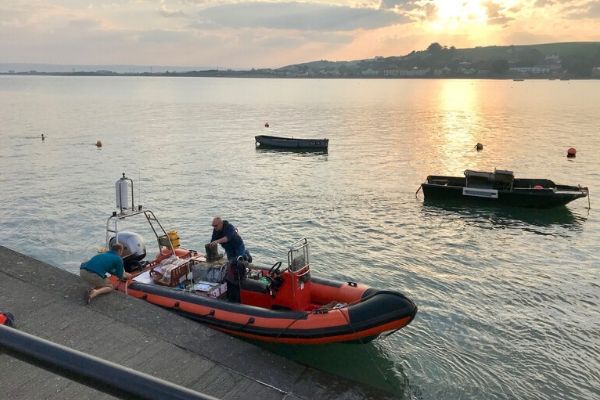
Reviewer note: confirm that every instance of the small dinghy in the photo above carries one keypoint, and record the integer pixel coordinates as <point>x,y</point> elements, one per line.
<point>283,303</point>
<point>501,187</point>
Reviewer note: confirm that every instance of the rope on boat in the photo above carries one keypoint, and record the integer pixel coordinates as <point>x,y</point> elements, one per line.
<point>292,323</point>
<point>321,310</point>
<point>417,192</point>
<point>589,203</point>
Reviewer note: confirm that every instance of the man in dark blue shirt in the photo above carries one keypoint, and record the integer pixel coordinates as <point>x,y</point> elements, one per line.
<point>227,236</point>
<point>94,271</point>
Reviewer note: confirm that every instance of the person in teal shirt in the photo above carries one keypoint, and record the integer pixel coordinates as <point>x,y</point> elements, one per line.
<point>94,271</point>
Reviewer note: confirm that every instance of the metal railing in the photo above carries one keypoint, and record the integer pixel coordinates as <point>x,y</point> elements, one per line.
<point>105,376</point>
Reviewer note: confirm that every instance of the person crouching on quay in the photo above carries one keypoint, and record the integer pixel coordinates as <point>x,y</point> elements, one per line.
<point>94,271</point>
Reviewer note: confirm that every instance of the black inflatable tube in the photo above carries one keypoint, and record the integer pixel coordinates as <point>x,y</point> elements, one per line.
<point>364,315</point>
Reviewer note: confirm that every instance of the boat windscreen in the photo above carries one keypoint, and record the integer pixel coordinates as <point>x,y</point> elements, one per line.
<point>298,256</point>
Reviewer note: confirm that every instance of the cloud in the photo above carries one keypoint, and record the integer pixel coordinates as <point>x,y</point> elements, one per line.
<point>297,16</point>
<point>295,40</point>
<point>587,10</point>
<point>268,33</point>
<point>399,4</point>
<point>496,14</point>
<point>165,12</point>
<point>594,10</point>
<point>571,9</point>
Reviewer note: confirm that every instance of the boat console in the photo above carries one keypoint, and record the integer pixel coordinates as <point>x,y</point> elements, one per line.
<point>498,180</point>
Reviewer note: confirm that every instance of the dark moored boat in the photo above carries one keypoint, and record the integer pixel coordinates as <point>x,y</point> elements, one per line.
<point>291,143</point>
<point>501,187</point>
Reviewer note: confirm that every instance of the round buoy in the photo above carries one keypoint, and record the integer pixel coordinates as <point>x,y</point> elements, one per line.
<point>266,124</point>
<point>479,146</point>
<point>98,144</point>
<point>571,153</point>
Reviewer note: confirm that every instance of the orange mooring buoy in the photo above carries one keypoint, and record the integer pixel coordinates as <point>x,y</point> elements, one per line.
<point>98,144</point>
<point>571,153</point>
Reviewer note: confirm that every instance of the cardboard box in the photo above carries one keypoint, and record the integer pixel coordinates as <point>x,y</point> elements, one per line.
<point>210,289</point>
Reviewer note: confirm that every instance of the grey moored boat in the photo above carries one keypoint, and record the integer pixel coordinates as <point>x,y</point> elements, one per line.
<point>291,143</point>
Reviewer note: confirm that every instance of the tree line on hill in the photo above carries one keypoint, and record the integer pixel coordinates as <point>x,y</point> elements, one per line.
<point>576,60</point>
<point>579,64</point>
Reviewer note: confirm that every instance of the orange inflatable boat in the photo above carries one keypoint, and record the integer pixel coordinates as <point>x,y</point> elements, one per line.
<point>281,304</point>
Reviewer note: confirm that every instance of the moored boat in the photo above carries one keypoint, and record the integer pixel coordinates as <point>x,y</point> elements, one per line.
<point>281,304</point>
<point>501,187</point>
<point>291,143</point>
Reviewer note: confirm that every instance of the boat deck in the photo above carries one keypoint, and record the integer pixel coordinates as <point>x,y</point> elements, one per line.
<point>48,302</point>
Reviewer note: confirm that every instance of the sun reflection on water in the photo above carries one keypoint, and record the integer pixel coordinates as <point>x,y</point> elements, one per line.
<point>458,127</point>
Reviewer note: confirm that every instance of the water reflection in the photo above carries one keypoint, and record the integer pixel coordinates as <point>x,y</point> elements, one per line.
<point>484,215</point>
<point>459,123</point>
<point>364,363</point>
<point>305,152</point>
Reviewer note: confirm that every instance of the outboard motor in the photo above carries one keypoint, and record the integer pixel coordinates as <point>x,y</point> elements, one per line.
<point>134,249</point>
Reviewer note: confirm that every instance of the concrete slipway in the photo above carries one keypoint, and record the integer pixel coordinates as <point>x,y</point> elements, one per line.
<point>48,302</point>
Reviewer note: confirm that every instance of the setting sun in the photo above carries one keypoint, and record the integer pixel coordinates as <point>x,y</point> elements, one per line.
<point>457,14</point>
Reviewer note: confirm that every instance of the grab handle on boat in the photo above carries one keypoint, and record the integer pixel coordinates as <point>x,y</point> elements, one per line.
<point>301,273</point>
<point>251,320</point>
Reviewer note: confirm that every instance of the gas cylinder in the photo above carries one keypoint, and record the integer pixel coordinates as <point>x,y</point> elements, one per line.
<point>121,188</point>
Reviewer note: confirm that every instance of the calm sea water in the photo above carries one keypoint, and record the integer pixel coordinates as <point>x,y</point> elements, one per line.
<point>508,298</point>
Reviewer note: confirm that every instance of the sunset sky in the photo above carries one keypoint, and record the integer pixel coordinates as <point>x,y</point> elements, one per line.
<point>256,34</point>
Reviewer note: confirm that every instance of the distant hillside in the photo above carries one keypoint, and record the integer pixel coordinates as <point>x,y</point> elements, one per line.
<point>580,60</point>
<point>552,59</point>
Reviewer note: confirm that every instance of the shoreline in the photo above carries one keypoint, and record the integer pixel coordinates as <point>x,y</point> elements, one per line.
<point>224,74</point>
